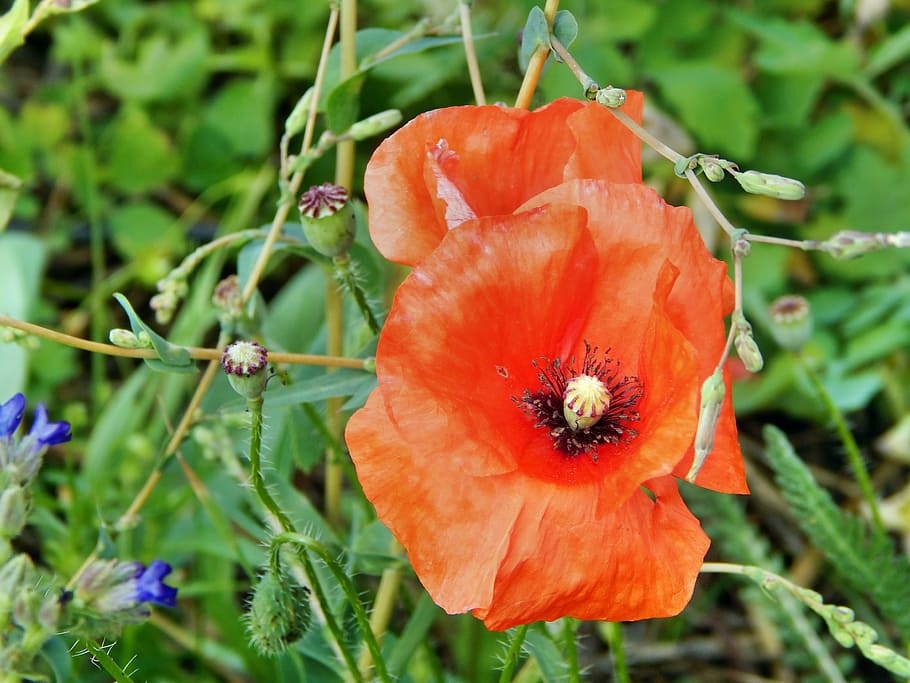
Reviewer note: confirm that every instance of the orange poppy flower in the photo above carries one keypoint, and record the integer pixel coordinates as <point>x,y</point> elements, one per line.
<point>466,450</point>
<point>450,165</point>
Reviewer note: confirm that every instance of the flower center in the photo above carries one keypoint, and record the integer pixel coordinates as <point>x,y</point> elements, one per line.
<point>583,409</point>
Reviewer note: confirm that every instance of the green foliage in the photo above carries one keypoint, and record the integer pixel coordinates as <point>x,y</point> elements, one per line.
<point>864,557</point>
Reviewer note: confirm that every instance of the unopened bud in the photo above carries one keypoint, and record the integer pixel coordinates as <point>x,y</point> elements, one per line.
<point>126,339</point>
<point>770,185</point>
<point>848,244</point>
<point>791,321</point>
<point>279,614</point>
<point>713,169</point>
<point>712,399</point>
<point>296,121</point>
<point>328,219</point>
<point>375,124</point>
<point>748,350</point>
<point>13,508</point>
<point>15,573</point>
<point>245,363</point>
<point>611,97</point>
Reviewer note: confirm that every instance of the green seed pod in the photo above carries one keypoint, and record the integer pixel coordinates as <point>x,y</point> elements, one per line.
<point>328,219</point>
<point>245,363</point>
<point>375,124</point>
<point>791,321</point>
<point>770,185</point>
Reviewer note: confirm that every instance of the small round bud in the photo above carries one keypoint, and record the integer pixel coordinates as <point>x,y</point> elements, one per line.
<point>245,363</point>
<point>748,351</point>
<point>126,339</point>
<point>770,185</point>
<point>714,171</point>
<point>328,219</point>
<point>585,401</point>
<point>611,97</point>
<point>375,124</point>
<point>228,301</point>
<point>791,322</point>
<point>742,247</point>
<point>296,120</point>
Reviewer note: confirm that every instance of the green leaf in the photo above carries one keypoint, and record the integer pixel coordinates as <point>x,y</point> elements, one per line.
<point>865,557</point>
<point>414,634</point>
<point>329,385</point>
<point>892,51</point>
<point>140,156</point>
<point>343,103</point>
<point>143,230</point>
<point>57,655</point>
<point>552,664</point>
<point>535,33</point>
<point>11,25</point>
<point>243,112</point>
<point>171,358</point>
<point>715,104</point>
<point>22,259</point>
<point>565,27</point>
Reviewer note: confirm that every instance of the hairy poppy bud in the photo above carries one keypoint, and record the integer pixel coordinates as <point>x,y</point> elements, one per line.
<point>375,124</point>
<point>611,97</point>
<point>328,219</point>
<point>244,362</point>
<point>791,322</point>
<point>770,185</point>
<point>278,615</point>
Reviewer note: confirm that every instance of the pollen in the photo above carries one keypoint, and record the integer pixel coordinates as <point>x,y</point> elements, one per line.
<point>585,401</point>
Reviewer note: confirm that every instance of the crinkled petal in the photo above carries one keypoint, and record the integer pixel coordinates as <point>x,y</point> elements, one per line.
<point>636,230</point>
<point>465,326</point>
<point>566,559</point>
<point>450,164</point>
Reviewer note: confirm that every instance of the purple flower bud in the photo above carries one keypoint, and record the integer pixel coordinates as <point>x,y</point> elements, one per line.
<point>48,433</point>
<point>149,587</point>
<point>11,414</point>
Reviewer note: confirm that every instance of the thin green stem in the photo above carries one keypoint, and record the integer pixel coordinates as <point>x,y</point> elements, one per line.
<point>508,666</point>
<point>536,63</point>
<point>569,625</point>
<point>307,543</point>
<point>855,458</point>
<point>617,653</point>
<point>259,487</point>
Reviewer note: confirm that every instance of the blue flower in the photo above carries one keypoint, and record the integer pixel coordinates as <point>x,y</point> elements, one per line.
<point>11,415</point>
<point>149,587</point>
<point>47,433</point>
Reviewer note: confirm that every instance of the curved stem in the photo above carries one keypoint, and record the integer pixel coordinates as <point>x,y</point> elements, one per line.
<point>383,605</point>
<point>307,543</point>
<point>195,352</point>
<point>535,64</point>
<point>860,473</point>
<point>294,185</point>
<point>464,11</point>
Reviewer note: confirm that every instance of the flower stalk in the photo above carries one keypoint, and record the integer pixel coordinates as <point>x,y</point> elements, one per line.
<point>508,666</point>
<point>537,61</point>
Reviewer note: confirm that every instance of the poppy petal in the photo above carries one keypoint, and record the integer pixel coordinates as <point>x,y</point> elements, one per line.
<point>495,159</point>
<point>564,558</point>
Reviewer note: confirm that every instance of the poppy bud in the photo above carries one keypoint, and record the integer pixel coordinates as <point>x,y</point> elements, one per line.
<point>375,124</point>
<point>328,219</point>
<point>585,401</point>
<point>770,185</point>
<point>244,362</point>
<point>791,322</point>
<point>611,97</point>
<point>279,614</point>
<point>712,399</point>
<point>296,120</point>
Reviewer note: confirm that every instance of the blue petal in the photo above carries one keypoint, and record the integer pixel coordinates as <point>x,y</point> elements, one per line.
<point>48,433</point>
<point>11,414</point>
<point>149,587</point>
